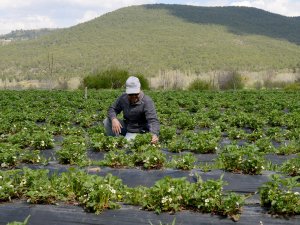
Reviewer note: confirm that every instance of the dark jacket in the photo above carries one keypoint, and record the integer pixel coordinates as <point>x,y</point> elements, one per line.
<point>137,117</point>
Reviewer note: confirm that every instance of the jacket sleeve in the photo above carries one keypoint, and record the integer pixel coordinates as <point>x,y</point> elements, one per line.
<point>114,109</point>
<point>151,116</point>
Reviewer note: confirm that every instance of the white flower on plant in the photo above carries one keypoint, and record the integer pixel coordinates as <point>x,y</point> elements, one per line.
<point>207,200</point>
<point>262,167</point>
<point>164,200</point>
<point>0,187</point>
<point>296,193</point>
<point>171,189</point>
<point>42,143</point>
<point>1,177</point>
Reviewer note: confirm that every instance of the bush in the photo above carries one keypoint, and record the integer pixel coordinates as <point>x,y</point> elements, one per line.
<point>231,80</point>
<point>111,79</point>
<point>292,87</point>
<point>200,85</point>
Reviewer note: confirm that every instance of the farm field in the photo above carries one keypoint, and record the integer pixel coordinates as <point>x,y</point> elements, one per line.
<point>222,157</point>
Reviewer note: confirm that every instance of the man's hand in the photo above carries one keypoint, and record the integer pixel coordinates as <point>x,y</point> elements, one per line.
<point>154,139</point>
<point>116,126</point>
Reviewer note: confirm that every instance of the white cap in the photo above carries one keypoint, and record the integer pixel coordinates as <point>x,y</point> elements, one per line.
<point>133,85</point>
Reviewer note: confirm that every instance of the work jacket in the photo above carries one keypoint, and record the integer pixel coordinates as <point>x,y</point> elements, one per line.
<point>138,117</point>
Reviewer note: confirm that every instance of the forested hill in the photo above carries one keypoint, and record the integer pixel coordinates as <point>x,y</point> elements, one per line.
<point>149,38</point>
<point>26,34</point>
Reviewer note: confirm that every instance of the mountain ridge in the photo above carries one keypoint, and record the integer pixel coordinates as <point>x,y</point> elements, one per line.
<point>151,38</point>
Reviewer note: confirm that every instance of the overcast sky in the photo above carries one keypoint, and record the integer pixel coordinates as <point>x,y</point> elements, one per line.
<point>34,14</point>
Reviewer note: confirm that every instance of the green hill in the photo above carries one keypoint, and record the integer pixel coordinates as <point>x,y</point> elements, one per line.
<point>17,35</point>
<point>150,38</point>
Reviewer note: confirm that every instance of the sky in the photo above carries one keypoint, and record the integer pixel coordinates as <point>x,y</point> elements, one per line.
<point>35,14</point>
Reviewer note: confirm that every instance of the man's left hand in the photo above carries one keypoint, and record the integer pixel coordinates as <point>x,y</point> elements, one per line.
<point>154,139</point>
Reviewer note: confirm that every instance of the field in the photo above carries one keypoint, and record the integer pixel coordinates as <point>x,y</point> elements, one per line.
<point>222,157</point>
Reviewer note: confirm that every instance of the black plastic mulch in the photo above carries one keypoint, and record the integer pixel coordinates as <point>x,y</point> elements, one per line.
<point>129,215</point>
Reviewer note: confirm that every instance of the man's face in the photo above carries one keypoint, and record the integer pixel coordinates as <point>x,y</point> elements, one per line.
<point>133,98</point>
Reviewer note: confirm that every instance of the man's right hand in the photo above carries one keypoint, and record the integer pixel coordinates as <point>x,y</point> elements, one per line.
<point>116,126</point>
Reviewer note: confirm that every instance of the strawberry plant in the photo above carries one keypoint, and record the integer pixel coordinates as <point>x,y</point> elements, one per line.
<point>102,142</point>
<point>9,185</point>
<point>292,166</point>
<point>177,144</point>
<point>167,133</point>
<point>20,223</point>
<point>149,157</point>
<point>37,187</point>
<point>203,142</point>
<point>183,161</point>
<point>246,159</point>
<point>73,151</point>
<point>278,196</point>
<point>31,157</point>
<point>117,159</point>
<point>8,155</point>
<point>41,140</point>
<point>167,195</point>
<point>140,140</point>
<point>290,147</point>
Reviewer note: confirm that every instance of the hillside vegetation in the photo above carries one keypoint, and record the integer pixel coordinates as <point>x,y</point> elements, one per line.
<point>151,38</point>
<point>25,34</point>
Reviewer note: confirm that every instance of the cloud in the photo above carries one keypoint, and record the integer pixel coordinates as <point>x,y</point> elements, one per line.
<point>88,15</point>
<point>26,23</point>
<point>8,4</point>
<point>283,7</point>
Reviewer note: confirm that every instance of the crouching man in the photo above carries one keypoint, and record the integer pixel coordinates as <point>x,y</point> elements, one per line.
<point>139,114</point>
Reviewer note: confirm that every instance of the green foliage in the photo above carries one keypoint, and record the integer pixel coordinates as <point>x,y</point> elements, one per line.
<point>183,161</point>
<point>73,151</point>
<point>231,80</point>
<point>292,166</point>
<point>246,159</point>
<point>102,142</point>
<point>149,157</point>
<point>109,79</point>
<point>198,85</point>
<point>112,79</point>
<point>117,159</point>
<point>175,194</point>
<point>292,87</point>
<point>278,196</point>
<point>20,223</point>
<point>146,39</point>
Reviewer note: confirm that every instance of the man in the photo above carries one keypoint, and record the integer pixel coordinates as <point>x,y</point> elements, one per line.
<point>138,111</point>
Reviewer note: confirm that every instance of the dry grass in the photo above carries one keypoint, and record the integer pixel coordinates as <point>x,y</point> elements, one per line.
<point>173,79</point>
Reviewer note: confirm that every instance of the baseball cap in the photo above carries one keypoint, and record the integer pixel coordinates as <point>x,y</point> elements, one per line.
<point>133,85</point>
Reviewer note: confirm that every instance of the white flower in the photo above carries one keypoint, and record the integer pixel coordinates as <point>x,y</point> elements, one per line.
<point>262,167</point>
<point>296,193</point>
<point>0,187</point>
<point>1,177</point>
<point>171,189</point>
<point>207,200</point>
<point>43,143</point>
<point>164,200</point>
